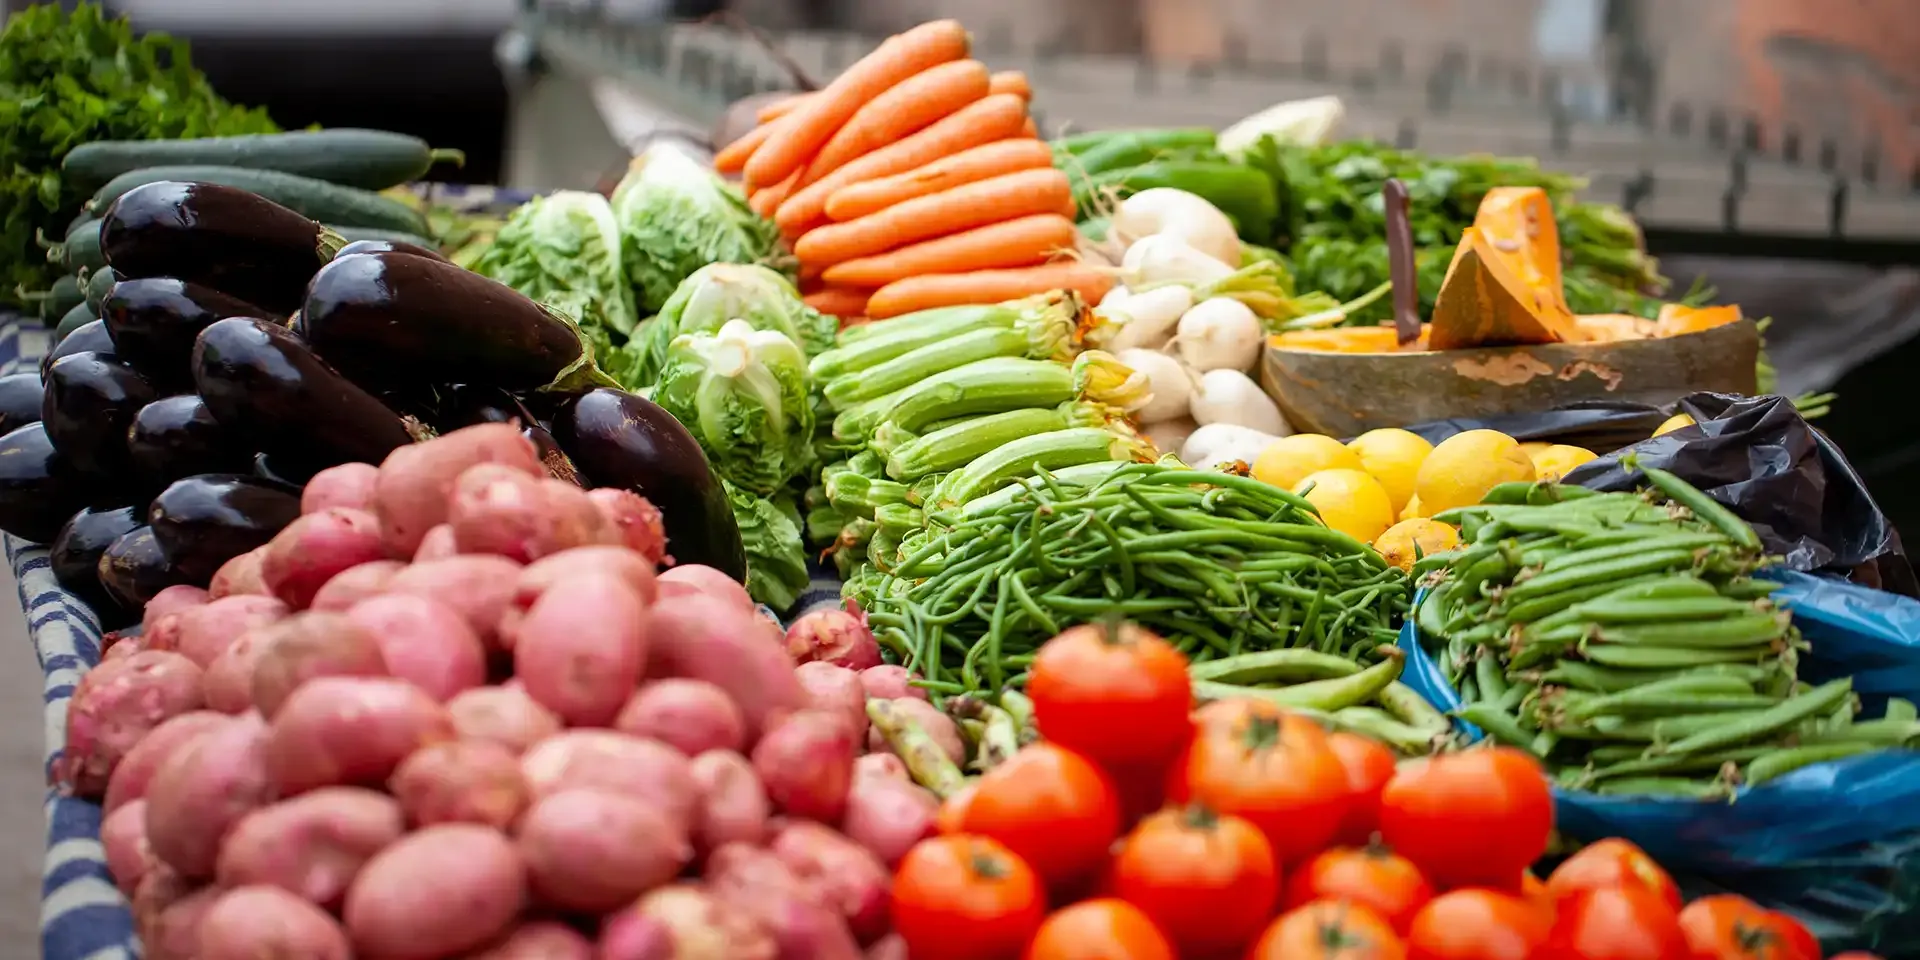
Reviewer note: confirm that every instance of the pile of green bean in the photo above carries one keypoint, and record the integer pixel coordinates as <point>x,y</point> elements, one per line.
<point>1341,692</point>
<point>1625,640</point>
<point>1220,565</point>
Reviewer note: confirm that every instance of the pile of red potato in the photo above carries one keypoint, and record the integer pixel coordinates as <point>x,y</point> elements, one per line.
<point>452,711</point>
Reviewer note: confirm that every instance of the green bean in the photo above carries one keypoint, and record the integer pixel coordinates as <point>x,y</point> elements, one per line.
<point>1599,679</point>
<point>1703,682</point>
<point>1671,764</point>
<point>1649,658</point>
<point>1654,706</point>
<point>1703,506</point>
<point>1285,666</point>
<point>1900,709</point>
<point>1690,540</point>
<point>1380,725</point>
<point>1734,632</point>
<point>1531,609</point>
<point>1785,714</point>
<point>1678,788</point>
<point>1498,724</point>
<point>1613,611</point>
<point>1487,673</point>
<point>1409,707</point>
<point>1782,762</point>
<point>1319,694</point>
<point>1652,731</point>
<point>1611,570</point>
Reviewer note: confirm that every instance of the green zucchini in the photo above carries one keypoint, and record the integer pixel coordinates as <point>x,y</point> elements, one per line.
<point>313,199</point>
<point>1242,193</point>
<point>356,234</point>
<point>368,159</point>
<point>63,296</point>
<point>97,284</point>
<point>81,248</point>
<point>76,318</point>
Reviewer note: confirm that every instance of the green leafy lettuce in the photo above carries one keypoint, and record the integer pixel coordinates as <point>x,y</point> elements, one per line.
<point>743,394</point>
<point>678,216</point>
<point>68,79</point>
<point>776,560</point>
<point>564,249</point>
<point>718,293</point>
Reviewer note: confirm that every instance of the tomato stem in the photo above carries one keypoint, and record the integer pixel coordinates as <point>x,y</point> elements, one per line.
<point>1199,816</point>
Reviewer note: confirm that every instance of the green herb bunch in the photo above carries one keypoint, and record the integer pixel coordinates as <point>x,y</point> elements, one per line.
<point>68,79</point>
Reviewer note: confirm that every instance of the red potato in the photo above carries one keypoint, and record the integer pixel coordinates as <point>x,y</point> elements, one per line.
<point>502,715</point>
<point>888,816</point>
<point>581,648</point>
<point>461,781</point>
<point>806,763</point>
<point>833,636</point>
<point>439,891</point>
<point>635,519</point>
<point>354,584</point>
<point>114,706</point>
<point>423,642</point>
<point>760,884</point>
<point>206,788</point>
<point>683,921</point>
<point>312,845</point>
<point>937,725</point>
<point>880,765</point>
<point>348,485</point>
<point>120,648</point>
<point>890,947</point>
<point>201,633</point>
<point>593,851</point>
<point>167,911</point>
<point>540,940</point>
<point>309,645</point>
<point>497,509</point>
<point>480,587</point>
<point>891,682</point>
<point>247,923</point>
<point>228,682</point>
<point>691,716</point>
<point>350,730</point>
<point>693,580</point>
<point>835,690</point>
<point>843,874</point>
<point>733,805</point>
<point>646,770</point>
<point>170,600</point>
<point>313,549</point>
<point>123,834</point>
<point>701,638</point>
<point>438,544</point>
<point>415,481</point>
<point>635,569</point>
<point>134,775</point>
<point>240,577</point>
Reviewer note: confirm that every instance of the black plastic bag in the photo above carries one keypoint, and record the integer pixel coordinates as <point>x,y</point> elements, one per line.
<point>1597,425</point>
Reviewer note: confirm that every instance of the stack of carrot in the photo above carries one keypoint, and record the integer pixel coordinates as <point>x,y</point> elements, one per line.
<point>914,180</point>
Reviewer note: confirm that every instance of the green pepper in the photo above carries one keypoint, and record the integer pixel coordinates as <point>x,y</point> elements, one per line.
<point>1244,194</point>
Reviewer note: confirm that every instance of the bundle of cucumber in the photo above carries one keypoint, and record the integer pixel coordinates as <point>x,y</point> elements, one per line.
<point>1627,641</point>
<point>329,175</point>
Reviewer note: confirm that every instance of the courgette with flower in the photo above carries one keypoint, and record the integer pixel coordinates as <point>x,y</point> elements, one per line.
<point>995,385</point>
<point>1044,319</point>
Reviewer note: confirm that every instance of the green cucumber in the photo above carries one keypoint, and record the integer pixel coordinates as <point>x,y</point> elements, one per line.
<point>368,159</point>
<point>80,250</point>
<point>313,199</point>
<point>96,286</point>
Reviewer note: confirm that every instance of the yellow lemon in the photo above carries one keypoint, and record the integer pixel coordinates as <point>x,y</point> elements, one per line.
<point>1414,510</point>
<point>1393,457</point>
<point>1349,501</point>
<point>1673,423</point>
<point>1460,471</point>
<point>1534,448</point>
<point>1409,540</point>
<point>1557,460</point>
<point>1288,460</point>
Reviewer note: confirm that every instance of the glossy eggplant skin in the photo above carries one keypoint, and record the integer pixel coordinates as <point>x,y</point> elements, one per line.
<point>259,381</point>
<point>89,403</point>
<point>620,440</point>
<point>464,405</point>
<point>75,558</point>
<point>274,471</point>
<point>390,246</point>
<point>175,437</point>
<point>204,521</point>
<point>88,338</point>
<point>153,323</point>
<point>20,398</point>
<point>391,318</point>
<point>134,567</point>
<point>38,489</point>
<point>229,240</point>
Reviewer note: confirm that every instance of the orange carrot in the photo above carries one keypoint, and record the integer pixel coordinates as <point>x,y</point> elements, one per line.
<point>916,103</point>
<point>732,158</point>
<point>1011,81</point>
<point>802,132</point>
<point>780,108</point>
<point>766,200</point>
<point>967,166</point>
<point>986,286</point>
<point>1021,242</point>
<point>982,121</point>
<point>964,207</point>
<point>842,302</point>
<point>1030,128</point>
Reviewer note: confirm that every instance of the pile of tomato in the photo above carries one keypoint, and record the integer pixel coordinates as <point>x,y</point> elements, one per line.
<point>1140,828</point>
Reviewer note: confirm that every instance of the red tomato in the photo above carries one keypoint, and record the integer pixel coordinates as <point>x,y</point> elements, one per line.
<point>1208,880</point>
<point>965,898</point>
<point>1051,806</point>
<point>1329,930</point>
<point>1728,927</point>
<point>1369,765</point>
<point>1798,937</point>
<point>952,817</point>
<point>1474,818</point>
<point>1616,923</point>
<point>1612,862</point>
<point>1534,891</point>
<point>1099,930</point>
<point>1477,925</point>
<point>1372,877</point>
<point>1113,692</point>
<point>1854,955</point>
<point>1255,760</point>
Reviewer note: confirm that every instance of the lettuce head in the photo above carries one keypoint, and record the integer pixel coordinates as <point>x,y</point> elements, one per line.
<point>743,394</point>
<point>776,558</point>
<point>719,293</point>
<point>677,216</point>
<point>564,249</point>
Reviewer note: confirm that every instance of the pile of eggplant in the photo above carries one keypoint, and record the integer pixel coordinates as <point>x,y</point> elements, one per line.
<point>243,348</point>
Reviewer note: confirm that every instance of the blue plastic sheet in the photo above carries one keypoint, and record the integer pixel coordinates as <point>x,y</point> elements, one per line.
<point>1835,844</point>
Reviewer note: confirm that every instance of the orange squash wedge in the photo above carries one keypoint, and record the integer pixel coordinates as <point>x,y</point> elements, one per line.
<point>1347,340</point>
<point>1677,319</point>
<point>1610,327</point>
<point>1504,285</point>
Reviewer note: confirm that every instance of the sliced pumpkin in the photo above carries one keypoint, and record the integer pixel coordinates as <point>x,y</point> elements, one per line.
<point>1678,318</point>
<point>1504,285</point>
<point>1348,340</point>
<point>1609,327</point>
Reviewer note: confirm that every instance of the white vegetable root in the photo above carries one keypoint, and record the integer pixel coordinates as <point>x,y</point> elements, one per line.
<point>1219,333</point>
<point>1142,320</point>
<point>1229,396</point>
<point>1172,384</point>
<point>1165,258</point>
<point>1169,212</point>
<point>1218,443</point>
